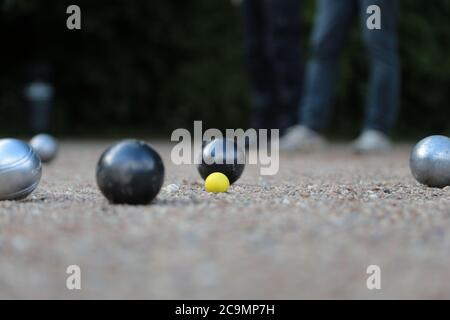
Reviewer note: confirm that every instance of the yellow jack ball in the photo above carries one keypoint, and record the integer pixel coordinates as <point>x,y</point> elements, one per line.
<point>217,182</point>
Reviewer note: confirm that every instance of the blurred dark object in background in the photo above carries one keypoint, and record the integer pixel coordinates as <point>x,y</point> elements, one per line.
<point>157,65</point>
<point>38,95</point>
<point>272,33</point>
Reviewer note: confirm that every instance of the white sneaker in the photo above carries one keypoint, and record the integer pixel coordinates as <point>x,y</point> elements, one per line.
<point>372,141</point>
<point>301,138</point>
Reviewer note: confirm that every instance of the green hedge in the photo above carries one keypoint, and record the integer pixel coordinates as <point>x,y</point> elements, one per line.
<point>151,66</point>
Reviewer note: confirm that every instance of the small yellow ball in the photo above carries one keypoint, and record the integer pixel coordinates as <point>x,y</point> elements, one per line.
<point>217,182</point>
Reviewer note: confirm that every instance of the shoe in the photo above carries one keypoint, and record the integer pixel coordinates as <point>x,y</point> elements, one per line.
<point>301,138</point>
<point>372,141</point>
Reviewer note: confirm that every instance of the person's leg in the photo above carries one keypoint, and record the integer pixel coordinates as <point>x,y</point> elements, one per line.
<point>332,26</point>
<point>259,67</point>
<point>283,41</point>
<point>384,86</point>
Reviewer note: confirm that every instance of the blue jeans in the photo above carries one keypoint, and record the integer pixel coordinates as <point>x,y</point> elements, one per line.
<point>332,26</point>
<point>272,30</point>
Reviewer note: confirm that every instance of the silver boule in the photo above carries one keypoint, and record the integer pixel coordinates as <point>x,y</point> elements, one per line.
<point>20,169</point>
<point>430,161</point>
<point>46,146</point>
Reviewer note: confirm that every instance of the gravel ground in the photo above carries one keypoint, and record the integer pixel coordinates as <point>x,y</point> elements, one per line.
<point>309,232</point>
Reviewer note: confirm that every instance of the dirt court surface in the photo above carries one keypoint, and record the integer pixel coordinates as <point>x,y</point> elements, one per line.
<point>309,232</point>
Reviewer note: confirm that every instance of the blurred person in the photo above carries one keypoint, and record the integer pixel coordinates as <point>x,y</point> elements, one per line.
<point>272,30</point>
<point>39,96</point>
<point>332,26</point>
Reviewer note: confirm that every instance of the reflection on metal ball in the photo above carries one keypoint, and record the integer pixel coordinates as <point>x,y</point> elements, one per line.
<point>20,169</point>
<point>224,156</point>
<point>430,161</point>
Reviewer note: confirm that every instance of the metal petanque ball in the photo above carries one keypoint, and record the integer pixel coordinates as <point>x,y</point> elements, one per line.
<point>130,172</point>
<point>20,169</point>
<point>45,146</point>
<point>430,161</point>
<point>224,156</point>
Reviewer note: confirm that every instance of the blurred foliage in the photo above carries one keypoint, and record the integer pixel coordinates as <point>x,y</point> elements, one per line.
<point>152,66</point>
